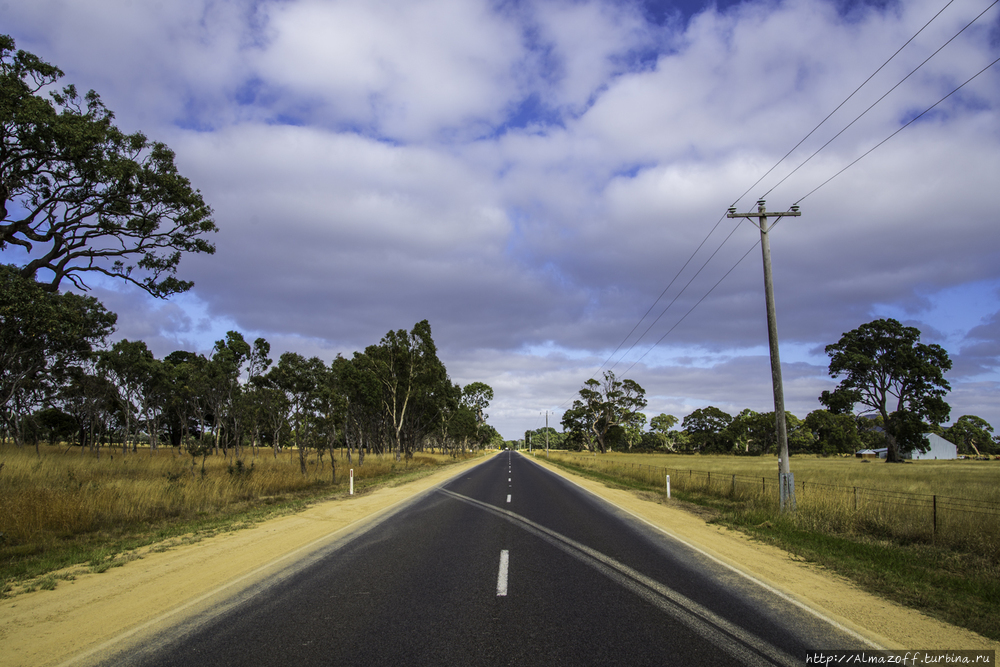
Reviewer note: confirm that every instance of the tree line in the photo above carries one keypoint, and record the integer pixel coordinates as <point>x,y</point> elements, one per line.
<point>60,383</point>
<point>79,197</point>
<point>895,382</point>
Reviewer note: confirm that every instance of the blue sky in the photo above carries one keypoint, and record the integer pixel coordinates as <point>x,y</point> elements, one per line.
<point>530,176</point>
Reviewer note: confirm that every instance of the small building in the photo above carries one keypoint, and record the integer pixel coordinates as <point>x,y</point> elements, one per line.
<point>939,449</point>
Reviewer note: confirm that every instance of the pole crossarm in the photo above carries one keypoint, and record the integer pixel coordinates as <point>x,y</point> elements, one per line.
<point>762,214</point>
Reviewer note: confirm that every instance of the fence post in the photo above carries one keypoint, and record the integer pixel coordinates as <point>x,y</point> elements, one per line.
<point>733,491</point>
<point>934,528</point>
<point>855,499</point>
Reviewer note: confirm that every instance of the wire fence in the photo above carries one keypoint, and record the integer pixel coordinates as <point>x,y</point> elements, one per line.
<point>966,523</point>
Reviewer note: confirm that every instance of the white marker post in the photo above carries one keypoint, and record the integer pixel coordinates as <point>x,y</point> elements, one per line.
<point>352,482</point>
<point>668,486</point>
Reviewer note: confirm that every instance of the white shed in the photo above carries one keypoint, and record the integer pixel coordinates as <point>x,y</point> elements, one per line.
<point>939,449</point>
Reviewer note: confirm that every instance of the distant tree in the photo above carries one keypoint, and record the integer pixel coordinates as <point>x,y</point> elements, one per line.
<point>55,425</point>
<point>140,384</point>
<point>971,430</point>
<point>79,196</point>
<point>576,427</point>
<point>299,378</point>
<point>477,395</point>
<point>43,336</point>
<point>706,428</point>
<point>607,403</point>
<point>659,428</point>
<point>413,382</point>
<point>762,437</point>
<point>834,433</point>
<point>886,369</point>
<point>739,430</point>
<point>88,397</point>
<point>632,428</point>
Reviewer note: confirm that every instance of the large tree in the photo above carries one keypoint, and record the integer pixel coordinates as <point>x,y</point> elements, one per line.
<point>834,433</point>
<point>707,429</point>
<point>885,368</point>
<point>42,337</point>
<point>605,404</point>
<point>78,195</point>
<point>414,383</point>
<point>971,434</point>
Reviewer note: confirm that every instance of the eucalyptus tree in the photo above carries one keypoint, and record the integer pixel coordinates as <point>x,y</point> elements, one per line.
<point>604,404</point>
<point>706,429</point>
<point>410,377</point>
<point>477,396</point>
<point>300,379</point>
<point>79,196</point>
<point>88,398</point>
<point>43,335</point>
<point>450,405</point>
<point>761,434</point>
<point>834,433</point>
<point>140,382</point>
<point>330,406</point>
<point>178,409</point>
<point>885,368</point>
<point>232,359</point>
<point>971,434</point>
<point>362,404</point>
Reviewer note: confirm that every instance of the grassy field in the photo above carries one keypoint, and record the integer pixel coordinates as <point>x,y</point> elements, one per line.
<point>67,507</point>
<point>977,479</point>
<point>886,540</point>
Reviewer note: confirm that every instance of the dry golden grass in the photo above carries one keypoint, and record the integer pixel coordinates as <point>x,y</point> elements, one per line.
<point>946,502</point>
<point>63,493</point>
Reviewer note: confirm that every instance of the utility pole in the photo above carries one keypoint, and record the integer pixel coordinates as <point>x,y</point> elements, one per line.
<point>546,434</point>
<point>786,481</point>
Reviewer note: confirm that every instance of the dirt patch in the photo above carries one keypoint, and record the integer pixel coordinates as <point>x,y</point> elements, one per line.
<point>82,617</point>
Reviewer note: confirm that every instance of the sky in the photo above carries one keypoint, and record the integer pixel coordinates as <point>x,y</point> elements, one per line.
<point>532,176</point>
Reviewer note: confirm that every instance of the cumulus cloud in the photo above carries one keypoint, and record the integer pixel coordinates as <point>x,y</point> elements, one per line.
<point>532,176</point>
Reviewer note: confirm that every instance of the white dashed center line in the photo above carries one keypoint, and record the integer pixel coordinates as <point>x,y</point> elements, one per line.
<point>502,576</point>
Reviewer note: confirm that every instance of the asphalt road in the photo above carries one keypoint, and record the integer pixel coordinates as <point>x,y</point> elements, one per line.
<point>506,564</point>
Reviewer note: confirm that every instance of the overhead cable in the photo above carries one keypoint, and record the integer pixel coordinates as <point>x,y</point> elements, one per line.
<point>911,121</point>
<point>820,124</point>
<point>886,94</point>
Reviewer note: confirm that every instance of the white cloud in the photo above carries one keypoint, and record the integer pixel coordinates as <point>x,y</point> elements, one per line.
<point>530,176</point>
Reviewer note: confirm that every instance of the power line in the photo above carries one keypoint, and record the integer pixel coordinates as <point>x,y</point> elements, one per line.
<point>676,324</point>
<point>769,171</point>
<point>674,300</point>
<point>846,100</point>
<point>913,120</point>
<point>811,132</point>
<point>886,94</point>
<point>653,305</point>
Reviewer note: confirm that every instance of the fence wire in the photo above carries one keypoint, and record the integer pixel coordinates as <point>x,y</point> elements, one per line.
<point>911,515</point>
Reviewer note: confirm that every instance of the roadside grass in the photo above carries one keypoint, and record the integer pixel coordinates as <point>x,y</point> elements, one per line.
<point>956,580</point>
<point>68,508</point>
